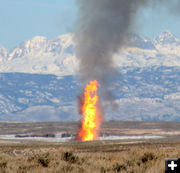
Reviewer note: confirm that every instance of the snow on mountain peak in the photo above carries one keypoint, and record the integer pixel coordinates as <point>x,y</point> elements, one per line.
<point>36,43</point>
<point>65,39</point>
<point>166,38</point>
<point>56,56</point>
<point>135,40</point>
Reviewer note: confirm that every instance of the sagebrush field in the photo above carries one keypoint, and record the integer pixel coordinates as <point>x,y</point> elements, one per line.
<point>86,158</point>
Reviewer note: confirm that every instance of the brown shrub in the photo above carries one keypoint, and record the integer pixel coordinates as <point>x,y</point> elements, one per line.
<point>69,157</point>
<point>147,157</point>
<point>119,167</point>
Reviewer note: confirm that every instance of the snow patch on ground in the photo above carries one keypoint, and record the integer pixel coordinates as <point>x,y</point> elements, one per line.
<point>66,139</point>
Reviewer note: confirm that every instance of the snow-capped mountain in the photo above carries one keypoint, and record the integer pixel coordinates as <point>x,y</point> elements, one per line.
<point>55,56</point>
<point>134,40</point>
<point>38,80</point>
<point>166,38</point>
<point>42,55</point>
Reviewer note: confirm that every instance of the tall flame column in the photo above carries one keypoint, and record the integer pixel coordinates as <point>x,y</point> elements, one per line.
<point>91,117</point>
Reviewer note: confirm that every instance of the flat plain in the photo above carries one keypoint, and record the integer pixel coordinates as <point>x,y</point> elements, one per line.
<point>137,155</point>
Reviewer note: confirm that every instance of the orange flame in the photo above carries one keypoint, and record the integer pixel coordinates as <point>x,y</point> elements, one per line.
<point>91,118</point>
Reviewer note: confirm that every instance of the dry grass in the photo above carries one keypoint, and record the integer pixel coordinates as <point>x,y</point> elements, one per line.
<point>86,157</point>
<point>146,156</point>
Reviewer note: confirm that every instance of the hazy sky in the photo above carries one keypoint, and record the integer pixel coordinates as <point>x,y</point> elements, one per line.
<point>21,20</point>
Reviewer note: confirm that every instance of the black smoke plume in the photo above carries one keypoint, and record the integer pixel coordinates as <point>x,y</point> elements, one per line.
<point>102,25</point>
<point>101,30</point>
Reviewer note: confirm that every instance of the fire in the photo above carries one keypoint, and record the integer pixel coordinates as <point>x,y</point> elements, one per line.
<point>91,117</point>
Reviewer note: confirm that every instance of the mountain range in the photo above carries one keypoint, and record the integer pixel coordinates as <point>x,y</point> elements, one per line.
<point>39,80</point>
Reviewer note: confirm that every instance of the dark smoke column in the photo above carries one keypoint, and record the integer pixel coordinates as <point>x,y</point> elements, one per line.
<point>100,31</point>
<point>101,27</point>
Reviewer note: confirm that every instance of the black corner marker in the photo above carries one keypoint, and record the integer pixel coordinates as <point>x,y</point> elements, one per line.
<point>172,165</point>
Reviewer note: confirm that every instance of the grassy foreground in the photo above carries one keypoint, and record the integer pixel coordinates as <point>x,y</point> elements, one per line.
<point>90,157</point>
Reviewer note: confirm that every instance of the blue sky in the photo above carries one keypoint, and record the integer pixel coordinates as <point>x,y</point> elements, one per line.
<point>21,20</point>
